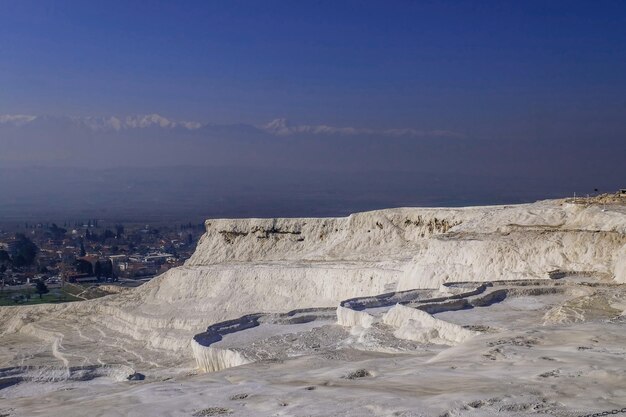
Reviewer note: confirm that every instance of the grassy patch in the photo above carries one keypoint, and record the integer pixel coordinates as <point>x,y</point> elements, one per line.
<point>56,295</point>
<point>84,292</point>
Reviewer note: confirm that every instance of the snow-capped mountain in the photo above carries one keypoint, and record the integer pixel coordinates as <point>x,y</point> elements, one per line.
<point>95,123</point>
<point>276,127</point>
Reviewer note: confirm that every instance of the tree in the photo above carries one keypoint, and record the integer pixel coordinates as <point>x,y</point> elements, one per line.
<point>83,267</point>
<point>107,269</point>
<point>4,257</point>
<point>25,251</point>
<point>107,235</point>
<point>56,232</point>
<point>41,288</point>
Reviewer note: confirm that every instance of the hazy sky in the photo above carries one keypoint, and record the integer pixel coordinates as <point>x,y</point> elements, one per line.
<point>487,88</point>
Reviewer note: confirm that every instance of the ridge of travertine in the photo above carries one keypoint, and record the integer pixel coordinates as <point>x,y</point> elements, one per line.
<point>244,266</point>
<point>432,246</point>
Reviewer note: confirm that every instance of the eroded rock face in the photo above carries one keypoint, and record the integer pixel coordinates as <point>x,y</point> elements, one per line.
<point>432,246</point>
<point>377,235</point>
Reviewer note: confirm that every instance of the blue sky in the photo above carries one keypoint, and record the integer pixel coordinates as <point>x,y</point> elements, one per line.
<point>483,68</point>
<point>389,103</point>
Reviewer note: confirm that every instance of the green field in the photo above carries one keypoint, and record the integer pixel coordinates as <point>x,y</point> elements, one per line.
<point>56,295</point>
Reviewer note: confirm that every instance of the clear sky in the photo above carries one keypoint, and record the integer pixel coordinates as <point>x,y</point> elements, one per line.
<point>474,66</point>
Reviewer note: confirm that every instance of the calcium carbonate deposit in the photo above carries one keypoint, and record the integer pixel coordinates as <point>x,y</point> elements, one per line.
<point>503,310</point>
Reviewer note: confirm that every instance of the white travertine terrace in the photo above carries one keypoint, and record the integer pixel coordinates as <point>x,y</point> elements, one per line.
<point>439,287</point>
<point>387,275</point>
<point>413,324</point>
<point>243,266</point>
<point>352,318</point>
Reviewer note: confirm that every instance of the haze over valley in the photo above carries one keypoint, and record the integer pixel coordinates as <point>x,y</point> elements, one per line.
<point>150,166</point>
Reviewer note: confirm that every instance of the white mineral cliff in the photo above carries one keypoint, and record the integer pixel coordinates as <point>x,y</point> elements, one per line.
<point>273,265</point>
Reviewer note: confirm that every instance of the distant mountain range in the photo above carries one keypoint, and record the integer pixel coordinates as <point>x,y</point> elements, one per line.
<point>99,123</point>
<point>279,127</point>
<point>155,140</point>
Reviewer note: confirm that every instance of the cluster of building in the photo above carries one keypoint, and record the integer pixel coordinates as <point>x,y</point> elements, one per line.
<point>92,252</point>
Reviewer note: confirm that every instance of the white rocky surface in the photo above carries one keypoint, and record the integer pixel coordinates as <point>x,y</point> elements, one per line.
<point>404,312</point>
<point>414,324</point>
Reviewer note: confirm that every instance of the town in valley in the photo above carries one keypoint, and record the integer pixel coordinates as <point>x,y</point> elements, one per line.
<point>77,260</point>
